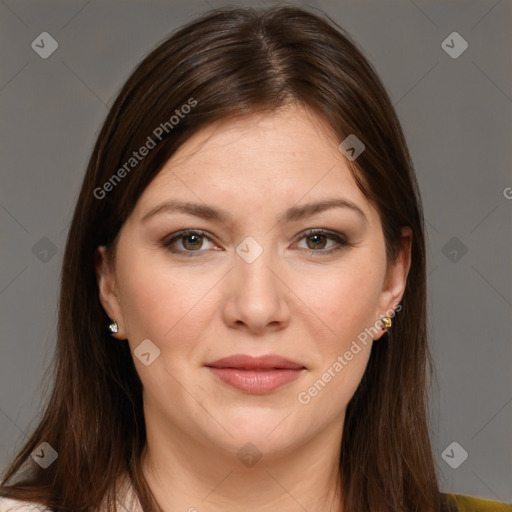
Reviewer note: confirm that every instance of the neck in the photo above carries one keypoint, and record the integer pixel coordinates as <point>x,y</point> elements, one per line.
<point>185,474</point>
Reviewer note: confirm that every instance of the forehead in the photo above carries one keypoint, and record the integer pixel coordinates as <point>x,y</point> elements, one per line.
<point>260,141</point>
<point>270,159</point>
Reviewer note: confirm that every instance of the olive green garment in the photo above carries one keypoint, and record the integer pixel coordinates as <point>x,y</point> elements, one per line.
<point>464,503</point>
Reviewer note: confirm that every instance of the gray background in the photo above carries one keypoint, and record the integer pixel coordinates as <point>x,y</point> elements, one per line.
<point>456,114</point>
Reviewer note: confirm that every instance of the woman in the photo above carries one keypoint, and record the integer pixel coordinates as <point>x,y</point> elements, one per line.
<point>242,317</point>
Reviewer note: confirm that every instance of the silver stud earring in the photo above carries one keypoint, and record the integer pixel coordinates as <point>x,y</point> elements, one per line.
<point>113,327</point>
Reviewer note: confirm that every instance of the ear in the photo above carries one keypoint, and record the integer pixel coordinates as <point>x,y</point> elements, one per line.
<point>396,278</point>
<point>109,299</point>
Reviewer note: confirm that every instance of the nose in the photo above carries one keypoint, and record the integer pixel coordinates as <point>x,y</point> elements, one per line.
<point>257,297</point>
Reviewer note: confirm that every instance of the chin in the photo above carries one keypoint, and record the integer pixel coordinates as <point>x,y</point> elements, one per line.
<point>271,433</point>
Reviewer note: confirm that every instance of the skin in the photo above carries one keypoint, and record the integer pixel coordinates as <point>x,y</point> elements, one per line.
<point>308,307</point>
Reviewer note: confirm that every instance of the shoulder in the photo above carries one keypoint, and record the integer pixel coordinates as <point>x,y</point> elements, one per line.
<point>465,503</point>
<point>8,505</point>
<point>127,501</point>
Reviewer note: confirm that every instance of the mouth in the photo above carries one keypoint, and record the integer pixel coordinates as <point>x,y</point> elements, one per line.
<point>256,375</point>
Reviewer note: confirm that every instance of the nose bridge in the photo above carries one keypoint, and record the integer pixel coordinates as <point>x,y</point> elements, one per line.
<point>254,260</point>
<point>257,296</point>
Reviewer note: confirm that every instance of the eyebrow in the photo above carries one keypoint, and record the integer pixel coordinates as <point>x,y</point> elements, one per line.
<point>294,213</point>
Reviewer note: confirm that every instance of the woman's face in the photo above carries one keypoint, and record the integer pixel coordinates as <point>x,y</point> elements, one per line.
<point>251,279</point>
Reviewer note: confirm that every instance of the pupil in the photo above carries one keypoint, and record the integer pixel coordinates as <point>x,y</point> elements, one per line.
<point>191,237</point>
<point>317,239</point>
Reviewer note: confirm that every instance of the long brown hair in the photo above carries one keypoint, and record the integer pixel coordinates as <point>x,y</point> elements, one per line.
<point>232,62</point>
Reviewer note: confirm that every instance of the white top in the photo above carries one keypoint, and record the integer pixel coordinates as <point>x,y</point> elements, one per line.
<point>127,501</point>
<point>7,505</point>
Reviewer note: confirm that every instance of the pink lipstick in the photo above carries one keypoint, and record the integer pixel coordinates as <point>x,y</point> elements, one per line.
<point>256,375</point>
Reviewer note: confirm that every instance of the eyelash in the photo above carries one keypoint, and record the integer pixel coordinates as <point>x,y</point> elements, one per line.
<point>341,241</point>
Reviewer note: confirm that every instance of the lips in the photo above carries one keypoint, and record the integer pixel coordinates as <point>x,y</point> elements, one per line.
<point>245,362</point>
<point>256,375</point>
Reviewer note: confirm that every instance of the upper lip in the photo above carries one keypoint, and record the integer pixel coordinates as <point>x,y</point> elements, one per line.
<point>246,362</point>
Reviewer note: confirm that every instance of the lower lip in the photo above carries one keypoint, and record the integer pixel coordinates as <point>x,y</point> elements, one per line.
<point>256,382</point>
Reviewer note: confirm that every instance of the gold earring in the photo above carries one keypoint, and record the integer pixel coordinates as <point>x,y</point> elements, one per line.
<point>386,322</point>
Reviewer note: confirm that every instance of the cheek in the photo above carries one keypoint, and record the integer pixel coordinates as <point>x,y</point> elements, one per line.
<point>345,300</point>
<point>149,293</point>
<point>161,301</point>
<point>346,307</point>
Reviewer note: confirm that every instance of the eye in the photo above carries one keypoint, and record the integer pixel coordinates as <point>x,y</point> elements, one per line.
<point>190,240</point>
<point>316,240</point>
